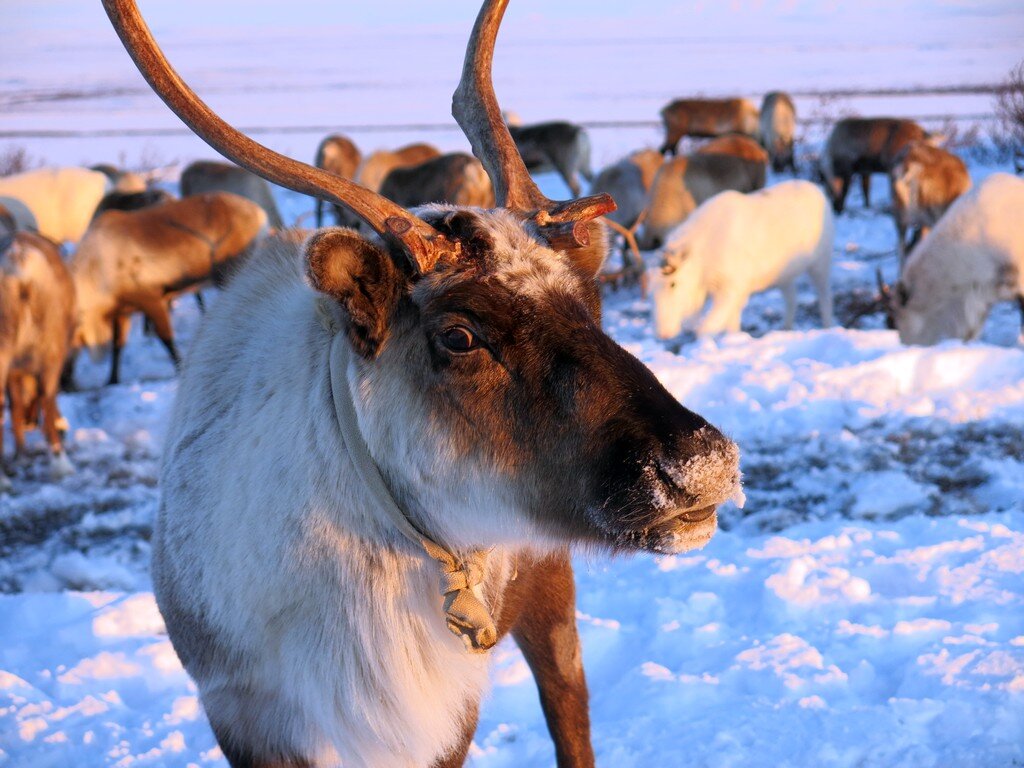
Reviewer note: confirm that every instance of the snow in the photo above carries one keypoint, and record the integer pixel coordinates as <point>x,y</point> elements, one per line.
<point>864,607</point>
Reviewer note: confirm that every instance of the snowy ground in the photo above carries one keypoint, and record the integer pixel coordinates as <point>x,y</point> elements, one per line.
<point>865,608</point>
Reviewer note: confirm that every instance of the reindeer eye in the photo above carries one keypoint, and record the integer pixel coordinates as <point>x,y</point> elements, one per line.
<point>459,338</point>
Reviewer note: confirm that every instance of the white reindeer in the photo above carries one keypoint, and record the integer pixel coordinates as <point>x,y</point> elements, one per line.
<point>62,200</point>
<point>972,259</point>
<point>735,245</point>
<point>437,399</point>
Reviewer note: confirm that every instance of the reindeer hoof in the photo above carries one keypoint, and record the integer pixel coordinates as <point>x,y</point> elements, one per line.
<point>61,466</point>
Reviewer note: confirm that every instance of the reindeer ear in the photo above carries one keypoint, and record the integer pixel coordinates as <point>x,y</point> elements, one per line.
<point>362,278</point>
<point>589,258</point>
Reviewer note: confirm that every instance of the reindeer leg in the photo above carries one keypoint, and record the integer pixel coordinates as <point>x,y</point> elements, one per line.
<point>1020,303</point>
<point>865,185</point>
<point>319,213</point>
<point>16,392</point>
<point>158,312</point>
<point>5,484</point>
<point>546,634</point>
<point>122,324</point>
<point>60,466</point>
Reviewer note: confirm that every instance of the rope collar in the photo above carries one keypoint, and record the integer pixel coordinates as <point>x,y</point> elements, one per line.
<point>465,613</point>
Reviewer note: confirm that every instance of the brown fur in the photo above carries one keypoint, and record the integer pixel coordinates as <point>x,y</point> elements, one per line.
<point>377,166</point>
<point>864,146</point>
<point>136,261</point>
<point>455,178</point>
<point>629,181</point>
<point>706,118</point>
<point>736,145</point>
<point>37,315</point>
<point>339,155</point>
<point>216,176</point>
<point>925,181</point>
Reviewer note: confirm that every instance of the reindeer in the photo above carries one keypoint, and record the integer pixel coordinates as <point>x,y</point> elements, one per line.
<point>15,216</point>
<point>554,146</point>
<point>62,200</point>
<point>859,145</point>
<point>382,162</point>
<point>706,118</point>
<point>973,259</point>
<point>37,316</point>
<point>628,182</point>
<point>119,179</point>
<point>436,396</point>
<point>131,201</point>
<point>214,176</point>
<point>925,181</point>
<point>777,128</point>
<point>339,155</point>
<point>683,183</point>
<point>736,145</point>
<point>455,178</point>
<point>138,261</point>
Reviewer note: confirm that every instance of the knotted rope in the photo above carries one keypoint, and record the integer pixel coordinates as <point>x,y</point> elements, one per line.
<point>465,614</point>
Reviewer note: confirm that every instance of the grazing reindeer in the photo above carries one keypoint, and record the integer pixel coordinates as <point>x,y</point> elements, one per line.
<point>382,162</point>
<point>339,155</point>
<point>706,118</point>
<point>778,128</point>
<point>455,178</point>
<point>138,261</point>
<point>863,146</point>
<point>437,395</point>
<point>925,180</point>
<point>972,260</point>
<point>555,146</point>
<point>120,179</point>
<point>214,176</point>
<point>37,317</point>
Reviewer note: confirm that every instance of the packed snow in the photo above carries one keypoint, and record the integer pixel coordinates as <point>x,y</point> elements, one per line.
<point>865,607</point>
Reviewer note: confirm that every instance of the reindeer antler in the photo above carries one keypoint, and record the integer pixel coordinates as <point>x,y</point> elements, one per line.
<point>475,108</point>
<point>421,242</point>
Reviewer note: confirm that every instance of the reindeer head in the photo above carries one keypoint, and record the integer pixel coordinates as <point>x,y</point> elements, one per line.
<point>490,397</point>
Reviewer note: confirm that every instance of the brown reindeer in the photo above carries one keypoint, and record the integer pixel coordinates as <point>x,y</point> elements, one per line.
<point>706,118</point>
<point>378,165</point>
<point>555,146</point>
<point>925,181</point>
<point>339,155</point>
<point>735,145</point>
<point>137,261</point>
<point>863,145</point>
<point>455,178</point>
<point>215,176</point>
<point>436,398</point>
<point>683,183</point>
<point>37,317</point>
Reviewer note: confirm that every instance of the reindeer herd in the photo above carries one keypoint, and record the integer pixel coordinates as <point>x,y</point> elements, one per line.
<point>427,386</point>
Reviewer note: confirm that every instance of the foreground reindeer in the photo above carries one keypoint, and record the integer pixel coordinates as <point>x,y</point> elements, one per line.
<point>455,178</point>
<point>437,399</point>
<point>556,146</point>
<point>138,261</point>
<point>706,118</point>
<point>339,155</point>
<point>37,318</point>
